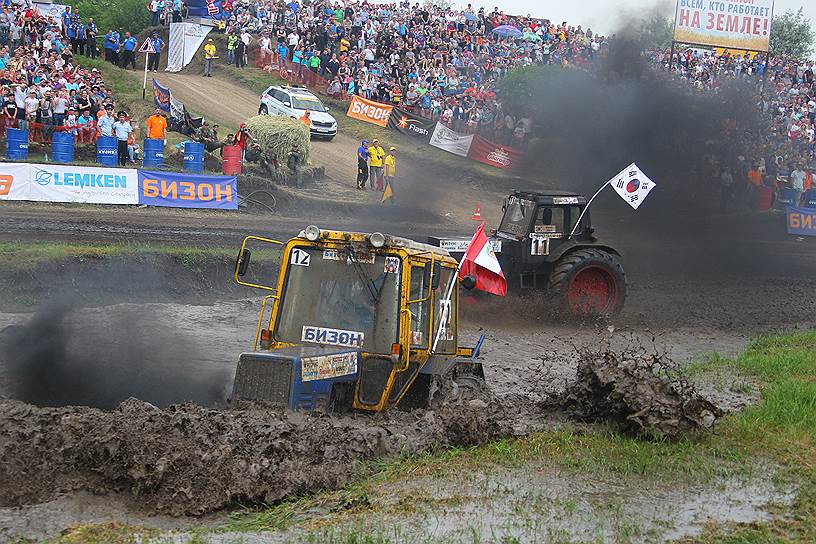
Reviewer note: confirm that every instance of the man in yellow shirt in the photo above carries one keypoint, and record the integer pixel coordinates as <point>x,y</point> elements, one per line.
<point>344,45</point>
<point>376,155</point>
<point>390,173</point>
<point>157,126</point>
<point>210,53</point>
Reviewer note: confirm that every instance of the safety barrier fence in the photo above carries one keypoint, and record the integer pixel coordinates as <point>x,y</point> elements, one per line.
<point>92,185</point>
<point>43,133</point>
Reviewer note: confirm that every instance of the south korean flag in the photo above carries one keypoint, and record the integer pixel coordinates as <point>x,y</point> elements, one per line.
<point>632,185</point>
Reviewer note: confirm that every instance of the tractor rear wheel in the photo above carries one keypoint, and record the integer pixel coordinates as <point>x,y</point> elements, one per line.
<point>589,284</point>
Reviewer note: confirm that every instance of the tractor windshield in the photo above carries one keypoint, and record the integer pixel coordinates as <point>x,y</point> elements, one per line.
<point>339,298</point>
<point>518,213</point>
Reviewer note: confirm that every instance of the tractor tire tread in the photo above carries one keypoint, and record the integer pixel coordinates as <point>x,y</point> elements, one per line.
<point>566,266</point>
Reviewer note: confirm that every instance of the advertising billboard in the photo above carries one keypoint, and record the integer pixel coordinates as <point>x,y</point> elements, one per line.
<point>734,24</point>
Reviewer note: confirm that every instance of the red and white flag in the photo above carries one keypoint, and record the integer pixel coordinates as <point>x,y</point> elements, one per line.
<point>480,261</point>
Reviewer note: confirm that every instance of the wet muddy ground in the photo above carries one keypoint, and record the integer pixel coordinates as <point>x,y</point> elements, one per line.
<point>138,452</point>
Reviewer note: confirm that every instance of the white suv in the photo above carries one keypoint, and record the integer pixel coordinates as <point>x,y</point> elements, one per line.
<point>293,101</point>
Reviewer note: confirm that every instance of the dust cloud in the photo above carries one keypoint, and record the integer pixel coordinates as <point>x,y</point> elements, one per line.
<point>62,357</point>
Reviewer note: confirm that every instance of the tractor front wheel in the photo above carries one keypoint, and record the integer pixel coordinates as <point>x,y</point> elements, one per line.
<point>589,284</point>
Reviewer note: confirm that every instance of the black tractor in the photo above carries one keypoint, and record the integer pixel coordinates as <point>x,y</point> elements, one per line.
<point>540,248</point>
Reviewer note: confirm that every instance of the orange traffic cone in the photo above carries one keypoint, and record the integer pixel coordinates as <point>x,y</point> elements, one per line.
<point>477,213</point>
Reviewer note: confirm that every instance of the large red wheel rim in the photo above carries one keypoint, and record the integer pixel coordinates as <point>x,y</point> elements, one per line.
<point>592,291</point>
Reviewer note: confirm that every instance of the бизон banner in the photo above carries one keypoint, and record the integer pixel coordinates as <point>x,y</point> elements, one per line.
<point>181,190</point>
<point>734,24</point>
<point>53,183</point>
<point>369,111</point>
<point>802,221</point>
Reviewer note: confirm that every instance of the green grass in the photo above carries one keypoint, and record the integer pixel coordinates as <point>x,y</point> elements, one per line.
<point>34,252</point>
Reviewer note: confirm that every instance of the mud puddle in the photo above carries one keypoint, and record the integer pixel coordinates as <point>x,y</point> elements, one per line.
<point>543,504</point>
<point>188,460</point>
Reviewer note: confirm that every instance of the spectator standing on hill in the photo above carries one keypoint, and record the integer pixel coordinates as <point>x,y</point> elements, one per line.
<point>177,11</point>
<point>155,7</point>
<point>108,46</point>
<point>81,38</point>
<point>362,164</point>
<point>390,170</point>
<point>240,51</point>
<point>129,50</point>
<point>210,54</point>
<point>246,40</point>
<point>122,129</point>
<point>232,43</point>
<point>376,155</point>
<point>157,126</point>
<point>90,38</point>
<point>104,123</point>
<point>60,105</point>
<point>153,58</point>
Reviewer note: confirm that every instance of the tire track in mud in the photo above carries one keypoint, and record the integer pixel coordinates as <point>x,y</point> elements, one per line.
<point>190,460</point>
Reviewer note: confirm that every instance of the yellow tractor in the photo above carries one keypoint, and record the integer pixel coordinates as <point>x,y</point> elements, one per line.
<point>363,321</point>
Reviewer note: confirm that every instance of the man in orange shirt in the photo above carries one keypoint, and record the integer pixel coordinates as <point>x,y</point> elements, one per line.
<point>306,119</point>
<point>754,177</point>
<point>157,126</point>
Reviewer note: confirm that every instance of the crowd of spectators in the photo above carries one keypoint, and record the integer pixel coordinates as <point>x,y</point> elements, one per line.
<point>44,88</point>
<point>441,63</point>
<point>781,153</point>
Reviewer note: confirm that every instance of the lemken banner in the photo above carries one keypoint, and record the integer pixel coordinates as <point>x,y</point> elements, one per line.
<point>53,183</point>
<point>733,24</point>
<point>801,221</point>
<point>182,190</point>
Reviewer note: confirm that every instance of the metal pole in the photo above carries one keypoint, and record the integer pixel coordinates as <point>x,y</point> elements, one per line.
<point>446,306</point>
<point>575,228</point>
<point>144,83</point>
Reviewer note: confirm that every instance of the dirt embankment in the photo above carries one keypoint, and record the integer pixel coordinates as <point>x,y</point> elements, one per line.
<point>189,460</point>
<point>127,277</point>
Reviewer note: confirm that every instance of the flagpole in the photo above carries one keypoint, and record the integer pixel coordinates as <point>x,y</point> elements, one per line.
<point>586,208</point>
<point>446,304</point>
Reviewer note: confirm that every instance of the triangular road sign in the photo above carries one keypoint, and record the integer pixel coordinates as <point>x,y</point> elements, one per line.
<point>147,47</point>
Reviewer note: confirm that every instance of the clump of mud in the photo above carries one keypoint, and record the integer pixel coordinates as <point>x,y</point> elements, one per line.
<point>640,394</point>
<point>190,460</point>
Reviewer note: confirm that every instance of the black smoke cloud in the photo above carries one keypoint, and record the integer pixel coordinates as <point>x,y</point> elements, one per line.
<point>65,357</point>
<point>592,125</point>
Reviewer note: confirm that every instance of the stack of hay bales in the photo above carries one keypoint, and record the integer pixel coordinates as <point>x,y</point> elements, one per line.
<point>277,135</point>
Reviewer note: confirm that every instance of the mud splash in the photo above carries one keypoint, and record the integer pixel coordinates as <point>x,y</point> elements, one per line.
<point>639,393</point>
<point>190,460</point>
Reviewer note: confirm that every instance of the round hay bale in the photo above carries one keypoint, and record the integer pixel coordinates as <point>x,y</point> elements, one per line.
<point>277,135</point>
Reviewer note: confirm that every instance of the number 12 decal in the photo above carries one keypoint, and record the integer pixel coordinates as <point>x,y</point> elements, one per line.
<point>300,257</point>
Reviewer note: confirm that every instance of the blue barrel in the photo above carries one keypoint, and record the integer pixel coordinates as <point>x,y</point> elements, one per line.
<point>153,152</point>
<point>810,199</point>
<point>787,196</point>
<point>107,151</point>
<point>62,147</point>
<point>194,157</point>
<point>16,144</point>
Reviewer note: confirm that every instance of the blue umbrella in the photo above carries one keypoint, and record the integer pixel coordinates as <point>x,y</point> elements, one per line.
<point>471,16</point>
<point>506,31</point>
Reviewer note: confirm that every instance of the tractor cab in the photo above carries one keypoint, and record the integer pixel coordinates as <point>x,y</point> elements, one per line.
<point>538,217</point>
<point>354,320</point>
<point>545,242</point>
